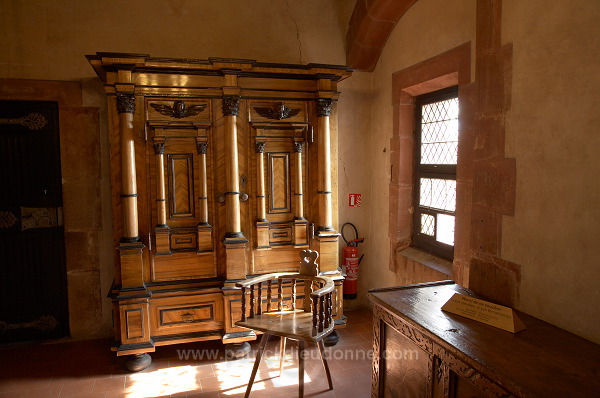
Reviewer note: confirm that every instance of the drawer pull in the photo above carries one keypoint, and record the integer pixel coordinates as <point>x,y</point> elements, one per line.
<point>187,317</point>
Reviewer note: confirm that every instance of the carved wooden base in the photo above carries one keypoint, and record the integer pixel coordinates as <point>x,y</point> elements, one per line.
<point>138,362</point>
<point>237,350</point>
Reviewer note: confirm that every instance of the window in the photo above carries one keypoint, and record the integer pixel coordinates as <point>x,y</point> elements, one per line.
<point>436,137</point>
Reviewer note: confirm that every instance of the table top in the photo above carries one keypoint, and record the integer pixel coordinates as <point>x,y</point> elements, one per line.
<point>540,361</point>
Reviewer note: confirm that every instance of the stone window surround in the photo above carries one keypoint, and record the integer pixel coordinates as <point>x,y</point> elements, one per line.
<point>451,68</point>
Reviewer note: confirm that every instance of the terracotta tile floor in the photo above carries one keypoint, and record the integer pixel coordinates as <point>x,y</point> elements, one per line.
<point>89,369</point>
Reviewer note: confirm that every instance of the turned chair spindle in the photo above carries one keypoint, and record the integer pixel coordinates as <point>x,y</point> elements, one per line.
<point>243,304</point>
<point>251,301</point>
<point>279,294</point>
<point>269,294</point>
<point>293,294</point>
<point>259,300</point>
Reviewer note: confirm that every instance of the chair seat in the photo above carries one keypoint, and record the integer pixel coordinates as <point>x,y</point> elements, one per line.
<point>295,324</point>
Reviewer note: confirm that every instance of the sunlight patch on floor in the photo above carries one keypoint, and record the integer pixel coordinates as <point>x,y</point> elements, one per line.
<point>163,382</point>
<point>233,376</point>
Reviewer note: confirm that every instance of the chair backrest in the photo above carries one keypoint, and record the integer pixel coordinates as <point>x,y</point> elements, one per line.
<point>317,293</point>
<point>308,264</point>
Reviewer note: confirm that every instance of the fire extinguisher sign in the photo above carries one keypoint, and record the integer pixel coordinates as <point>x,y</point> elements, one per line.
<point>354,199</point>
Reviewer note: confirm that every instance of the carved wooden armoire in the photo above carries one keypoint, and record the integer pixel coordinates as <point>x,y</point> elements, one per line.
<point>221,169</point>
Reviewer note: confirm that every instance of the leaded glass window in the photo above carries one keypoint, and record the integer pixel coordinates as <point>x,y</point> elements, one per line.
<point>436,128</point>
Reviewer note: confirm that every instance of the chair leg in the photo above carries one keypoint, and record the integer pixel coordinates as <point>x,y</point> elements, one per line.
<point>301,368</point>
<point>261,348</point>
<point>322,350</point>
<point>281,354</point>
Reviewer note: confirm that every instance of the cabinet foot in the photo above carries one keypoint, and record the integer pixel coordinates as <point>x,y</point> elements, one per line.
<point>237,350</point>
<point>138,362</point>
<point>332,339</point>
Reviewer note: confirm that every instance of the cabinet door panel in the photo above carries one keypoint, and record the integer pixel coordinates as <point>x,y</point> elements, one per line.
<point>405,371</point>
<point>184,244</point>
<point>181,185</point>
<point>279,182</point>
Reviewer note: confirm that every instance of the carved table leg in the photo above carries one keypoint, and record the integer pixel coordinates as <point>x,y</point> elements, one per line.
<point>138,362</point>
<point>237,350</point>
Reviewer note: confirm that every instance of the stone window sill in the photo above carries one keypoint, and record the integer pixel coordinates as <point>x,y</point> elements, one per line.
<point>428,260</point>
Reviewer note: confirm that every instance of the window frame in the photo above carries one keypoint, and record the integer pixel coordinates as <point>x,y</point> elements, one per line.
<point>435,171</point>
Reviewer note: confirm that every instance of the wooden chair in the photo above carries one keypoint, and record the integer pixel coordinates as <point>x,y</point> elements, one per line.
<point>267,311</point>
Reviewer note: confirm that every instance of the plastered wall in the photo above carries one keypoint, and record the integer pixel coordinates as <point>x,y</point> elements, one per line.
<point>48,39</point>
<point>552,131</point>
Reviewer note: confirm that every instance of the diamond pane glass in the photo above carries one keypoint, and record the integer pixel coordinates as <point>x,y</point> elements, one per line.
<point>439,132</point>
<point>438,194</point>
<point>427,224</point>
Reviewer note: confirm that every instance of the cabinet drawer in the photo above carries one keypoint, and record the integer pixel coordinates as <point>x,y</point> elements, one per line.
<point>280,235</point>
<point>188,314</point>
<point>184,241</point>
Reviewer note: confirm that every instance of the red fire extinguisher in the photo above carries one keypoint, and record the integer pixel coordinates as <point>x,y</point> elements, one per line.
<point>350,261</point>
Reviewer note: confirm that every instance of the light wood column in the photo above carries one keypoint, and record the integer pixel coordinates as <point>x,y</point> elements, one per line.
<point>326,237</point>
<point>300,223</point>
<point>231,105</point>
<point>298,191</point>
<point>324,170</point>
<point>261,196</point>
<point>161,199</point>
<point>262,224</point>
<point>205,243</point>
<point>126,108</point>
<point>202,147</point>
<point>161,230</point>
<point>131,249</point>
<point>234,240</point>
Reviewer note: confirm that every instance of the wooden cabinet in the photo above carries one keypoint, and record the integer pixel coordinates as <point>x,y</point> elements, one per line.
<point>421,351</point>
<point>221,169</point>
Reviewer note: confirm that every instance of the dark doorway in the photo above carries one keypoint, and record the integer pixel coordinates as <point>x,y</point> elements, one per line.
<point>33,288</point>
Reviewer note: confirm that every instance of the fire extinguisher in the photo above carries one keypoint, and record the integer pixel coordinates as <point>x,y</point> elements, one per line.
<point>350,261</point>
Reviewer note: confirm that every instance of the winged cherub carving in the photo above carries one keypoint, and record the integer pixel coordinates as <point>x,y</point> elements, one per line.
<point>279,112</point>
<point>179,109</point>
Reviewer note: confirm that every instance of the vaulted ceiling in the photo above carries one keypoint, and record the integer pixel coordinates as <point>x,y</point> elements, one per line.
<point>371,24</point>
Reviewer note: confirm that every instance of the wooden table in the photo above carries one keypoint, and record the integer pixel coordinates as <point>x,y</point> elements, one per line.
<point>421,351</point>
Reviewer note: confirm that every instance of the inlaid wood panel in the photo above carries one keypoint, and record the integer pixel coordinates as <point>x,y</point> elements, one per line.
<point>181,185</point>
<point>279,182</point>
<point>133,322</point>
<point>187,314</point>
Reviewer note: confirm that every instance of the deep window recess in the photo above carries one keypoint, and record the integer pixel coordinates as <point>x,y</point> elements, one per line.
<point>436,131</point>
